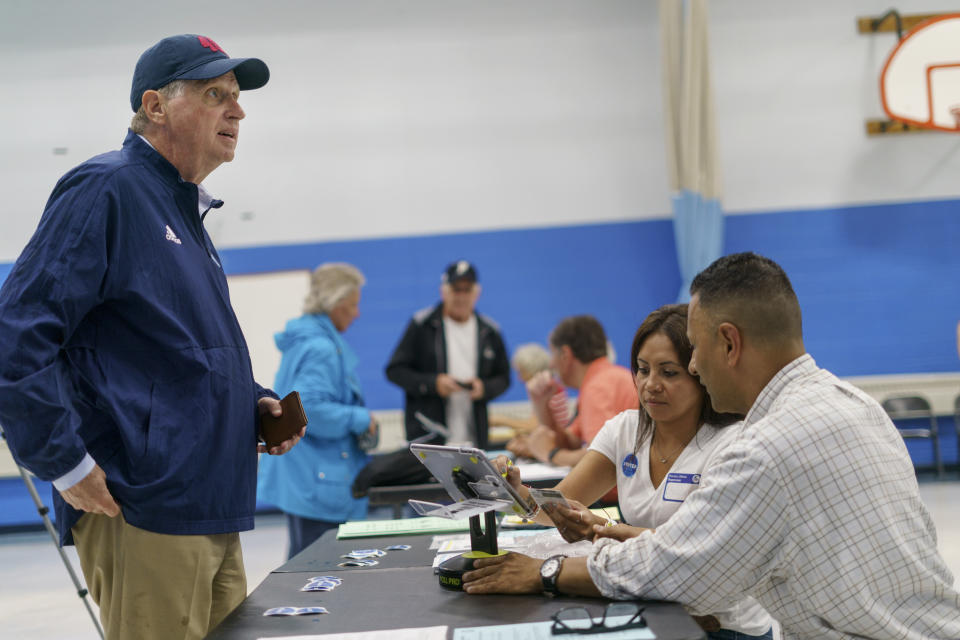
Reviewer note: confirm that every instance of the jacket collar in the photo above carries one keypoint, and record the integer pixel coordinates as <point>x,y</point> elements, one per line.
<point>137,148</point>
<point>326,324</point>
<point>350,360</point>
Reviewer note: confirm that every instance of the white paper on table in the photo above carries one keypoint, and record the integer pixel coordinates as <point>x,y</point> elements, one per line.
<point>461,542</point>
<point>423,633</point>
<point>440,540</point>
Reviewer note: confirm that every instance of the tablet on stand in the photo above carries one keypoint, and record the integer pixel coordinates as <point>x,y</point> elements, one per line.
<point>476,488</point>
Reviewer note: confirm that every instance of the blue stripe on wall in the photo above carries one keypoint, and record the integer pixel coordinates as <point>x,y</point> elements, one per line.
<point>531,279</point>
<point>877,283</point>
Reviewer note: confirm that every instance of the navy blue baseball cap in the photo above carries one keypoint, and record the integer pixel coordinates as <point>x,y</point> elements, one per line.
<point>461,270</point>
<point>192,57</point>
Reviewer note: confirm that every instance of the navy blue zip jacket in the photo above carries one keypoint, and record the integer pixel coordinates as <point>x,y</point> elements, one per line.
<point>117,339</point>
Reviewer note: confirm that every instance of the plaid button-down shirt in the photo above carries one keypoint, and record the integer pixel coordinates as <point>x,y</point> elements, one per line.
<point>814,510</point>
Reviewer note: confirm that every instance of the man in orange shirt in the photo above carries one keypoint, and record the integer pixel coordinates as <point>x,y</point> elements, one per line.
<point>578,346</point>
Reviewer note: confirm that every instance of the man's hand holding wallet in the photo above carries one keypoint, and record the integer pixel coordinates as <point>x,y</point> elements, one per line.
<point>282,424</point>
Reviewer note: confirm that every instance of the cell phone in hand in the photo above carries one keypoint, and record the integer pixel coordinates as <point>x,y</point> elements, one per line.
<point>464,385</point>
<point>545,497</point>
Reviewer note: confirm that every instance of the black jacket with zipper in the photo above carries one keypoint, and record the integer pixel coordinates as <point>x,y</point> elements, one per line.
<point>422,354</point>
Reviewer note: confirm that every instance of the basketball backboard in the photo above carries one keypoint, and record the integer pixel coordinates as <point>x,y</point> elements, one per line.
<point>920,82</point>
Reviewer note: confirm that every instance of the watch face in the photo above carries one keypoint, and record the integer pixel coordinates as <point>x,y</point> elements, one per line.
<point>550,566</point>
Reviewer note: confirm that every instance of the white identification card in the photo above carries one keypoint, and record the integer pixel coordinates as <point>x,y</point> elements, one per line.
<point>679,485</point>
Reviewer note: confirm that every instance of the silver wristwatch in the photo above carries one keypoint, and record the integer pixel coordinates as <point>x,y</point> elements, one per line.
<point>549,571</point>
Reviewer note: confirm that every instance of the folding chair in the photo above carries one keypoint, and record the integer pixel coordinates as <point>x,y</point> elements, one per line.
<point>911,415</point>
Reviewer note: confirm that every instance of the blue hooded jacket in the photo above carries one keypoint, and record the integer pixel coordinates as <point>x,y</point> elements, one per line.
<point>119,340</point>
<point>313,479</point>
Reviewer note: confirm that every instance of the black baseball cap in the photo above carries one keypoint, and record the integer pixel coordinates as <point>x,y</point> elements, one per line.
<point>460,270</point>
<point>192,57</point>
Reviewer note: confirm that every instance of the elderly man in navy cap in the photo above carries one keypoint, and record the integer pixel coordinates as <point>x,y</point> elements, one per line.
<point>451,361</point>
<point>124,376</point>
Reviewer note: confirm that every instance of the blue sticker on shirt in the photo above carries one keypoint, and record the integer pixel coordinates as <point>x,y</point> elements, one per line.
<point>630,465</point>
<point>679,485</point>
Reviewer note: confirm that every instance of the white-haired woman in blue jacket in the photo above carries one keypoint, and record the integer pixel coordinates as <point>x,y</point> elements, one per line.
<point>311,484</point>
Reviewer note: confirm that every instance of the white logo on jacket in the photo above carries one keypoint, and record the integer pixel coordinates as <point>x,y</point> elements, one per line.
<point>172,237</point>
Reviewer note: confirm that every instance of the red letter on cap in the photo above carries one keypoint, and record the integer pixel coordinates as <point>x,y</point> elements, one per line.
<point>210,44</point>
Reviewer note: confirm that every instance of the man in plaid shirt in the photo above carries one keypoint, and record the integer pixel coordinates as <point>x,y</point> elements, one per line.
<point>814,509</point>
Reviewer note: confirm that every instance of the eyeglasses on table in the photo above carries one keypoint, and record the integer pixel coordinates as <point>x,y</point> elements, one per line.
<point>617,616</point>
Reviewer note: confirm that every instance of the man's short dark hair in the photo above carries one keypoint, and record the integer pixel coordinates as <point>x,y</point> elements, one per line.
<point>671,321</point>
<point>753,292</point>
<point>584,335</point>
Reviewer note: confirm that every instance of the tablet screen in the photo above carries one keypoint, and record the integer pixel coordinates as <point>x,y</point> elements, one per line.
<point>466,473</point>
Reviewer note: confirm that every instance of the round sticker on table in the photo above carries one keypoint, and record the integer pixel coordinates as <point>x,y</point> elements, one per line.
<point>630,465</point>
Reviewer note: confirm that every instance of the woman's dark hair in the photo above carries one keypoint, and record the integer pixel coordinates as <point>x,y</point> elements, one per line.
<point>671,321</point>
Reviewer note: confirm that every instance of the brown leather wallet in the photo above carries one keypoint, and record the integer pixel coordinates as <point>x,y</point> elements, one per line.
<point>275,430</point>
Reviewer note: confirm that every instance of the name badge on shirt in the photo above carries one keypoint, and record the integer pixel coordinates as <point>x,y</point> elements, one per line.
<point>679,485</point>
<point>629,465</point>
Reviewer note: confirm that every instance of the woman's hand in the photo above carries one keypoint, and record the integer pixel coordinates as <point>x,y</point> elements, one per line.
<point>619,532</point>
<point>573,524</point>
<point>508,470</point>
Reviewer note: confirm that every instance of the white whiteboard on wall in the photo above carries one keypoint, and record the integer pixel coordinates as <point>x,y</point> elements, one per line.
<point>263,303</point>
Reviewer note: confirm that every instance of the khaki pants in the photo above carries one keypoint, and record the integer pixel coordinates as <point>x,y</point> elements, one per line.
<point>156,586</point>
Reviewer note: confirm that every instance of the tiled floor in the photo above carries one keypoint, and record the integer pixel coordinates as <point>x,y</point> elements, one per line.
<point>39,602</point>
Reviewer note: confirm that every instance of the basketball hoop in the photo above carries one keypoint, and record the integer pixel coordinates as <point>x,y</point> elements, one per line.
<point>920,81</point>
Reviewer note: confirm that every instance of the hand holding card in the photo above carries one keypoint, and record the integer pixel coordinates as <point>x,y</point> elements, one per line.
<point>546,498</point>
<point>275,430</point>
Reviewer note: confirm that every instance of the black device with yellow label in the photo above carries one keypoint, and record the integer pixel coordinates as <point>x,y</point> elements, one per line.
<point>483,544</point>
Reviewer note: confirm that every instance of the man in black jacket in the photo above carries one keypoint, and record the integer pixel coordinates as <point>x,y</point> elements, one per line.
<point>451,361</point>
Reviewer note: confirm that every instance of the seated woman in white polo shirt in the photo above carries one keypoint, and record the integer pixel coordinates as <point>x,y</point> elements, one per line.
<point>654,456</point>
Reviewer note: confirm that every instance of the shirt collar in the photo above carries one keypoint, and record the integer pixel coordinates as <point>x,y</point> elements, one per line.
<point>147,141</point>
<point>204,197</point>
<point>804,365</point>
